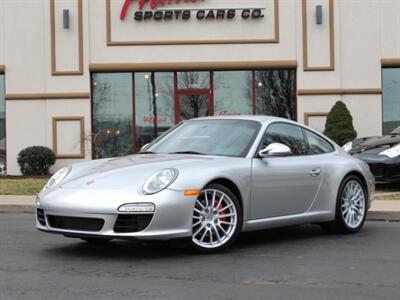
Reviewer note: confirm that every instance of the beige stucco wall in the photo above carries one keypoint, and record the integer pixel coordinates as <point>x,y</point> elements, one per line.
<point>364,33</point>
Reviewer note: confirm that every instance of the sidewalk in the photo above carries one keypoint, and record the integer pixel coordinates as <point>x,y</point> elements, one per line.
<point>380,209</point>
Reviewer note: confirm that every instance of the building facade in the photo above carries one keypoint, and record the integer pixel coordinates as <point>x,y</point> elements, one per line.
<point>101,78</point>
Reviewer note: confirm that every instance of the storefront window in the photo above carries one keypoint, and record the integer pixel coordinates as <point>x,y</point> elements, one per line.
<point>2,126</point>
<point>113,112</point>
<point>154,105</point>
<point>391,99</point>
<point>132,109</point>
<point>275,93</point>
<point>233,93</point>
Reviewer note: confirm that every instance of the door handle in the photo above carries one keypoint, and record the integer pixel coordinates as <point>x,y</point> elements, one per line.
<point>315,172</point>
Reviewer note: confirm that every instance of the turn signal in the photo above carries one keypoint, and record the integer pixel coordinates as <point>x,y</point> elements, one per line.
<point>192,192</point>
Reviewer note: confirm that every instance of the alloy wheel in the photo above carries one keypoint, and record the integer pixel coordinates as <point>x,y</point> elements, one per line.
<point>353,204</point>
<point>215,219</point>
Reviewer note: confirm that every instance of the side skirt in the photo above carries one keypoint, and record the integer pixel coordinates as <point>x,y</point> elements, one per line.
<point>304,218</point>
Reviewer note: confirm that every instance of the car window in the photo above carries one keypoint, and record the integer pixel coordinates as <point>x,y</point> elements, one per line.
<point>287,134</point>
<point>316,144</point>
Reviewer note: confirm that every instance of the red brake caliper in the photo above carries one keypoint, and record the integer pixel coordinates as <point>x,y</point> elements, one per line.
<point>220,208</point>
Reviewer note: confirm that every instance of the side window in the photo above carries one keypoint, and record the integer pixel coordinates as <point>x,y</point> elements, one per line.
<point>316,144</point>
<point>287,134</point>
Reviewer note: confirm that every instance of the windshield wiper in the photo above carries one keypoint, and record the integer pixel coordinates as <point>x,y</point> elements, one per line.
<point>187,152</point>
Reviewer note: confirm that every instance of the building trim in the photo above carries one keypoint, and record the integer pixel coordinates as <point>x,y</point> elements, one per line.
<point>54,70</point>
<point>81,121</point>
<point>331,66</point>
<point>193,66</point>
<point>2,69</point>
<point>111,42</point>
<point>47,96</point>
<point>390,62</point>
<point>318,92</point>
<point>308,115</point>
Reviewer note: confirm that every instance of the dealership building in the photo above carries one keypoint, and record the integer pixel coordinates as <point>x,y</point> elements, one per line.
<point>101,78</point>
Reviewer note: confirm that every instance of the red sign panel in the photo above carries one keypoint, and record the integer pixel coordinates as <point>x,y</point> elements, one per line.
<point>154,4</point>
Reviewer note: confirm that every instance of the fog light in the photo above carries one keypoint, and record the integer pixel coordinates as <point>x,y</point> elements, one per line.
<point>37,201</point>
<point>137,207</point>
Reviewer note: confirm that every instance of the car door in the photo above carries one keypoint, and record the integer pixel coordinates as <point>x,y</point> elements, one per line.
<point>284,185</point>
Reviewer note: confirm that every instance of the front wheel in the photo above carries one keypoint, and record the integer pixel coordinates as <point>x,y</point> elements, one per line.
<point>351,207</point>
<point>217,219</point>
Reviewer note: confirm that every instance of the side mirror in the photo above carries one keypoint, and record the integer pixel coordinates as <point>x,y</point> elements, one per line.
<point>275,149</point>
<point>144,147</point>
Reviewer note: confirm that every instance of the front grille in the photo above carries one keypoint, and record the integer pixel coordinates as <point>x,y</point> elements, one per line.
<point>40,217</point>
<point>75,223</point>
<point>132,222</point>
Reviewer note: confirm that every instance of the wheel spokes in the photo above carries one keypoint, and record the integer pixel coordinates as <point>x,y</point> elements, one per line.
<point>214,218</point>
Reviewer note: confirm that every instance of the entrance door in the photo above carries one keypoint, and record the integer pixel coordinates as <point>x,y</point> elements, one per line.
<point>193,95</point>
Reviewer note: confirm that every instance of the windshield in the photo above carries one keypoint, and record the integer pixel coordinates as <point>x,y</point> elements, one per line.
<point>209,137</point>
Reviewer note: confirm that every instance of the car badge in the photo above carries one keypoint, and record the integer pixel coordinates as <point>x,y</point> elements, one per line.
<point>89,182</point>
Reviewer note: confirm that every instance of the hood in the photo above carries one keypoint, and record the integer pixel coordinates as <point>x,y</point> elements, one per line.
<point>374,145</point>
<point>125,172</point>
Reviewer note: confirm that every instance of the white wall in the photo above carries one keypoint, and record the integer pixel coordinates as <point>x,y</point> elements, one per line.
<point>364,33</point>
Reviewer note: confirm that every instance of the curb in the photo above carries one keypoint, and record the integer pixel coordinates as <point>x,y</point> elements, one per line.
<point>373,215</point>
<point>17,208</point>
<point>383,215</point>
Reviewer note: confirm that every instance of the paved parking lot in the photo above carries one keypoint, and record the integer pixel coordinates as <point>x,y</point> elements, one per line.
<point>292,263</point>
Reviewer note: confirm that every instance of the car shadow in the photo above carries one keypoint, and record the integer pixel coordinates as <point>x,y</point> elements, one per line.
<point>121,250</point>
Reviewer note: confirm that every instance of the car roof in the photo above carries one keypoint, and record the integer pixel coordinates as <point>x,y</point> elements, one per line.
<point>258,118</point>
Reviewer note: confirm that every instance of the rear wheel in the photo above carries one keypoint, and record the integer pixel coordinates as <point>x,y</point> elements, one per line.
<point>351,207</point>
<point>217,219</point>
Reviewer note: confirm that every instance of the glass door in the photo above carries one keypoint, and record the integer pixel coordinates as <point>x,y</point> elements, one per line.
<point>193,95</point>
<point>193,106</point>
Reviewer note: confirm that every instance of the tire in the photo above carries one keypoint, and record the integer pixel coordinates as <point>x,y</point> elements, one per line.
<point>96,241</point>
<point>350,215</point>
<point>217,219</point>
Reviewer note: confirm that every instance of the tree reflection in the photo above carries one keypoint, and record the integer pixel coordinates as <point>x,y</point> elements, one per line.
<point>275,93</point>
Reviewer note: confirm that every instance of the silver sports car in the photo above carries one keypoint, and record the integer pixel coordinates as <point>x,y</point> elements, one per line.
<point>207,180</point>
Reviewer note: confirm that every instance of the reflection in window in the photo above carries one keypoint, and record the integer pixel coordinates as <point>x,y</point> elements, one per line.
<point>193,80</point>
<point>287,134</point>
<point>2,127</point>
<point>391,99</point>
<point>316,144</point>
<point>193,106</point>
<point>112,111</point>
<point>275,93</point>
<point>233,93</point>
<point>154,105</point>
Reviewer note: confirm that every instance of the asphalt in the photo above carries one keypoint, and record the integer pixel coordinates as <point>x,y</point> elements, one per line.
<point>291,263</point>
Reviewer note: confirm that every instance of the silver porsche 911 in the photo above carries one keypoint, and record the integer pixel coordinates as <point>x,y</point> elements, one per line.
<point>207,180</point>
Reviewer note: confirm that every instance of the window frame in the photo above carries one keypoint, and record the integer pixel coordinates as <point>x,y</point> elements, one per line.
<point>303,129</point>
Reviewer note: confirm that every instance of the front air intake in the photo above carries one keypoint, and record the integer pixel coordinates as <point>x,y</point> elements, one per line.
<point>75,223</point>
<point>132,222</point>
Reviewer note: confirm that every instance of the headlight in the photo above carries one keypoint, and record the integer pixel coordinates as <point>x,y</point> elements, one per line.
<point>391,152</point>
<point>58,177</point>
<point>348,146</point>
<point>159,181</point>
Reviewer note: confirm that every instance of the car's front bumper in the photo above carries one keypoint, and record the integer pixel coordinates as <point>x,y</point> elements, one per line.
<point>383,168</point>
<point>171,219</point>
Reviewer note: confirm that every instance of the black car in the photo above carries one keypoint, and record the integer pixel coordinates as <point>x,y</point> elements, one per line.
<point>381,153</point>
